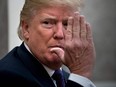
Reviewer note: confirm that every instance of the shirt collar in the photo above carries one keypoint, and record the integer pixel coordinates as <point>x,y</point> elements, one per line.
<point>50,71</point>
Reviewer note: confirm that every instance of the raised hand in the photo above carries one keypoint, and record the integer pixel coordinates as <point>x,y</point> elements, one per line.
<point>79,47</point>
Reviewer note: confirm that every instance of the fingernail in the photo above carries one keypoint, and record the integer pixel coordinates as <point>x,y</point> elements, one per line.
<point>76,12</point>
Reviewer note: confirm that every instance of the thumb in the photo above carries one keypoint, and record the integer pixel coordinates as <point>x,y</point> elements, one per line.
<point>59,52</point>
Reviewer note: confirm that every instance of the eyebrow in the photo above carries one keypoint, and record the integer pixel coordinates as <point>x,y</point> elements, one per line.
<point>51,17</point>
<point>50,20</point>
<point>47,16</point>
<point>54,19</point>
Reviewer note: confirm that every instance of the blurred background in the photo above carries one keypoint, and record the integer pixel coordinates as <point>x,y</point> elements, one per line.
<point>102,16</point>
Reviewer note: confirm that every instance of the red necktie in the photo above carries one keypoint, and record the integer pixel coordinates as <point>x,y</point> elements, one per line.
<point>58,77</point>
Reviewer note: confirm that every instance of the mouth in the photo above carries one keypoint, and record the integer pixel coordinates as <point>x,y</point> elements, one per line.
<point>57,46</point>
<point>58,50</point>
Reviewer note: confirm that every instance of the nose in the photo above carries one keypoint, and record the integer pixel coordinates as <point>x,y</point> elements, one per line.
<point>59,32</point>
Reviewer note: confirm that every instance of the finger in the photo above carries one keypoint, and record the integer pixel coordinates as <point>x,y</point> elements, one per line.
<point>83,31</point>
<point>59,52</point>
<point>68,35</point>
<point>76,25</point>
<point>89,32</point>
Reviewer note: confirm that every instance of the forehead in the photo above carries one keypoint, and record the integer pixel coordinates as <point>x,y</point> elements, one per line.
<point>55,12</point>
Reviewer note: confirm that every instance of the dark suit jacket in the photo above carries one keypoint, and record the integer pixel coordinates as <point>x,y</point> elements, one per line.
<point>20,68</point>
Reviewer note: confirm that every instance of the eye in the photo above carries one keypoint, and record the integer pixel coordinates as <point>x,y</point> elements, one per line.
<point>48,23</point>
<point>65,24</point>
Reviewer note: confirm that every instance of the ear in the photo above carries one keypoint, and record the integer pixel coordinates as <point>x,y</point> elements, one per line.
<point>25,29</point>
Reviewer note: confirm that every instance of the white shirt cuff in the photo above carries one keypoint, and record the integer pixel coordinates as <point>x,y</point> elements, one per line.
<point>85,82</point>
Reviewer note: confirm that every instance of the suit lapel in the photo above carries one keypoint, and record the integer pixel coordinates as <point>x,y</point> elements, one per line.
<point>35,67</point>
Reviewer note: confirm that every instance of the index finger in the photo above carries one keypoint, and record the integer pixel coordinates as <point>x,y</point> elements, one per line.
<point>76,25</point>
<point>68,35</point>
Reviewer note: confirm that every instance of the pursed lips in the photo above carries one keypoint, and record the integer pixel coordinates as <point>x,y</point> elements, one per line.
<point>57,46</point>
<point>59,50</point>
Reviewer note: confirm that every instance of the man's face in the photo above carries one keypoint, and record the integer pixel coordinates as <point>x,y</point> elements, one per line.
<point>46,31</point>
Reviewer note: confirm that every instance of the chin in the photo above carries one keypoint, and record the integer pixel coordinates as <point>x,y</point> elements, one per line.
<point>55,66</point>
<point>54,62</point>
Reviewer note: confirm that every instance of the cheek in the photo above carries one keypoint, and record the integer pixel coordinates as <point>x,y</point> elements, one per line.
<point>40,39</point>
<point>37,40</point>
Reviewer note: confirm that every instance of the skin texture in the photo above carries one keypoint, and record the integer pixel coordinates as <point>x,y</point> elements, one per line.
<point>65,29</point>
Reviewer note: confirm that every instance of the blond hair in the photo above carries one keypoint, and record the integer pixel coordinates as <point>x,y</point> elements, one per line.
<point>31,6</point>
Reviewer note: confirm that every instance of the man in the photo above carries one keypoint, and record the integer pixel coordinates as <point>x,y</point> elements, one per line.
<point>53,33</point>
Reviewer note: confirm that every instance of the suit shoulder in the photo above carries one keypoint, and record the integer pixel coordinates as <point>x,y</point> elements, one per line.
<point>10,60</point>
<point>9,56</point>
